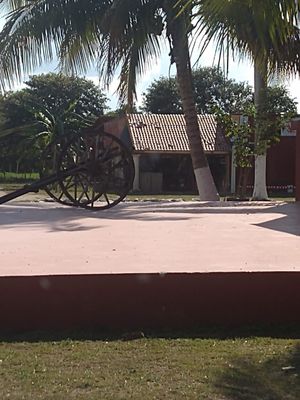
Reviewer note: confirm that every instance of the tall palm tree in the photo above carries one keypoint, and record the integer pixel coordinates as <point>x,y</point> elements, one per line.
<point>122,36</point>
<point>266,32</point>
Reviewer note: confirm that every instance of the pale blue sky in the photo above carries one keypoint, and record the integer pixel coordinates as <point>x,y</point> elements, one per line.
<point>241,71</point>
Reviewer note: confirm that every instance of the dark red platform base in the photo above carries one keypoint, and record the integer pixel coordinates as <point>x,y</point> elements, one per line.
<point>137,301</point>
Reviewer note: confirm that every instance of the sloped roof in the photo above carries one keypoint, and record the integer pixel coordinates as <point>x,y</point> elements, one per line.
<point>167,133</point>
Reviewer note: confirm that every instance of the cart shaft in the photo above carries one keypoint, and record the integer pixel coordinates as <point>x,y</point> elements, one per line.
<point>40,184</point>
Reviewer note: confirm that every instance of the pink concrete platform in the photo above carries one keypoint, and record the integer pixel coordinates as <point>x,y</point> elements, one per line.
<point>166,264</point>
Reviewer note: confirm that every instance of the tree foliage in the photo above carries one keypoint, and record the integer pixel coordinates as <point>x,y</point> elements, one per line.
<point>275,112</point>
<point>211,89</point>
<point>266,32</point>
<point>116,36</point>
<point>162,97</point>
<point>54,93</point>
<point>51,105</point>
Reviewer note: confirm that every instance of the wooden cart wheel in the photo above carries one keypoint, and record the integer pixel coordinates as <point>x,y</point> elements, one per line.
<point>101,171</point>
<point>49,166</point>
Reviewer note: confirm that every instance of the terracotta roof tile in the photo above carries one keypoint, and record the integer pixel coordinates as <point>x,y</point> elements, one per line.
<point>167,133</point>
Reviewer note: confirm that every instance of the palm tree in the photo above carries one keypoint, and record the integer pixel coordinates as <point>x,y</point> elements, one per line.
<point>122,36</point>
<point>267,33</point>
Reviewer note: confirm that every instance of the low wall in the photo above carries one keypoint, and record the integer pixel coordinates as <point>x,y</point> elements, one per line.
<point>137,301</point>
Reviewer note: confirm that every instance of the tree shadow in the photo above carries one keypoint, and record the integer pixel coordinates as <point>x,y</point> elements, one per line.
<point>277,378</point>
<point>53,218</point>
<point>64,218</point>
<point>289,223</point>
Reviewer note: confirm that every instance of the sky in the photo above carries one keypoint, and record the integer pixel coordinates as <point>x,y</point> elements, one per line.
<point>240,71</point>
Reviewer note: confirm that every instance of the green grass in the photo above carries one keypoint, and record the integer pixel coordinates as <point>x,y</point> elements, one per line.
<point>12,177</point>
<point>16,181</point>
<point>161,197</point>
<point>9,187</point>
<point>245,368</point>
<point>189,197</point>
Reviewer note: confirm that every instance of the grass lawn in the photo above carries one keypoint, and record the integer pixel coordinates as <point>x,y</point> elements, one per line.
<point>244,368</point>
<point>13,177</point>
<point>9,187</point>
<point>12,181</point>
<point>161,197</point>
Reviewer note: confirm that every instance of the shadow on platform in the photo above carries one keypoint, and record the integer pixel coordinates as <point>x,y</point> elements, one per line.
<point>59,218</point>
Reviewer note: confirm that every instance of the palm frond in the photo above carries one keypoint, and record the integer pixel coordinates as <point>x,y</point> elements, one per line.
<point>262,31</point>
<point>117,35</point>
<point>36,32</point>
<point>23,130</point>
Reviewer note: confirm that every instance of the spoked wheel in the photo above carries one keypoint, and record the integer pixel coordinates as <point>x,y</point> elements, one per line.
<point>50,166</point>
<point>101,171</point>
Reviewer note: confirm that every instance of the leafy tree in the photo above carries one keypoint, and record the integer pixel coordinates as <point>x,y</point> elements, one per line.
<point>266,32</point>
<point>117,35</point>
<point>272,114</point>
<point>19,153</point>
<point>278,109</point>
<point>54,93</point>
<point>162,97</point>
<point>212,89</point>
<point>51,105</point>
<point>57,91</point>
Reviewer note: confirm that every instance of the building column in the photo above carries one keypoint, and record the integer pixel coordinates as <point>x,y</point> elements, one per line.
<point>136,182</point>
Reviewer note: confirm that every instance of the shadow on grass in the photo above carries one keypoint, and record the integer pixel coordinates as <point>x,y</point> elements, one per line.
<point>277,378</point>
<point>288,331</point>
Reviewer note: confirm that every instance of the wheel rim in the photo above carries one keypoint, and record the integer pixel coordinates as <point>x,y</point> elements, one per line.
<point>50,166</point>
<point>101,171</point>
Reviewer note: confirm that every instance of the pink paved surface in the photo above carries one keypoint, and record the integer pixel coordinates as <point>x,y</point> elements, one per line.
<point>49,239</point>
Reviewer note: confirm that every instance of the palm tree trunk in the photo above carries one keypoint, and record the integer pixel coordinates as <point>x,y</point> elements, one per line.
<point>260,173</point>
<point>180,52</point>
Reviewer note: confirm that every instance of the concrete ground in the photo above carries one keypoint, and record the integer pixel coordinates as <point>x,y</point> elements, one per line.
<point>41,238</point>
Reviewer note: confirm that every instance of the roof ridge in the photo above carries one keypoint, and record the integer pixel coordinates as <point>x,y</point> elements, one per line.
<point>171,115</point>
